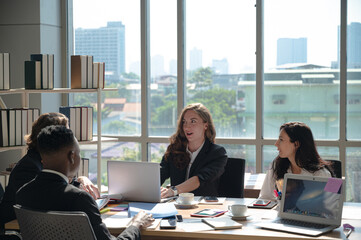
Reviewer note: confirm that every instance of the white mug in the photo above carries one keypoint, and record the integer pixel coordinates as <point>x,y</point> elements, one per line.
<point>238,210</point>
<point>185,198</point>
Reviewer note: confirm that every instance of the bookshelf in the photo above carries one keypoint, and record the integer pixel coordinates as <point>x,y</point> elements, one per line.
<point>25,103</point>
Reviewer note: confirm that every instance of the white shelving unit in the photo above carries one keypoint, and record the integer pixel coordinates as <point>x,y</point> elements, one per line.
<point>25,103</point>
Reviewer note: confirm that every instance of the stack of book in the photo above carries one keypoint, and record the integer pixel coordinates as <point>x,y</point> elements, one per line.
<point>39,72</point>
<point>15,124</point>
<point>4,71</point>
<point>85,73</point>
<point>80,121</point>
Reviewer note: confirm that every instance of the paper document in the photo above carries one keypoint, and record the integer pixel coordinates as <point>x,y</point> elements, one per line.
<point>158,210</point>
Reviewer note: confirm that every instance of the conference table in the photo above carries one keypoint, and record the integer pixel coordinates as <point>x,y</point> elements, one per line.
<point>351,215</point>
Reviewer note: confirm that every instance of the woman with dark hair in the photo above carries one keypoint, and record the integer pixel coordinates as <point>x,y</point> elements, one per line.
<point>31,165</point>
<point>297,155</point>
<point>193,162</point>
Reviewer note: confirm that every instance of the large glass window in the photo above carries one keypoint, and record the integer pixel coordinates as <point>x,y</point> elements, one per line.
<point>220,40</point>
<point>300,74</point>
<point>110,32</point>
<point>163,67</point>
<point>353,70</point>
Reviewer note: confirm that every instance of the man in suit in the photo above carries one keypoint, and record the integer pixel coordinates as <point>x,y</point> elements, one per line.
<point>50,190</point>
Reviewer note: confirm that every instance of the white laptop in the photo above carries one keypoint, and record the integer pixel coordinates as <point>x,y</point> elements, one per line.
<point>134,181</point>
<point>310,205</point>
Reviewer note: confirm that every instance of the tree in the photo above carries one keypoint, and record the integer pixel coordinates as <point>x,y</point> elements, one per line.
<point>202,77</point>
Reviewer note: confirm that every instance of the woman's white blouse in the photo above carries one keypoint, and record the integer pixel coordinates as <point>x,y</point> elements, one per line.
<point>269,184</point>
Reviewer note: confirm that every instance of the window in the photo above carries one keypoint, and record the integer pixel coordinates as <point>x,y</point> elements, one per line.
<point>253,78</point>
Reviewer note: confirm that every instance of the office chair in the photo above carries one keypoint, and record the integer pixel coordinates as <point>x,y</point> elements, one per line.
<point>7,234</point>
<point>335,168</point>
<point>44,225</point>
<point>232,181</point>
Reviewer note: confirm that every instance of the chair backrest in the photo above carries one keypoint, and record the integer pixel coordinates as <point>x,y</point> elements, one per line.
<point>336,167</point>
<point>232,181</point>
<point>43,225</point>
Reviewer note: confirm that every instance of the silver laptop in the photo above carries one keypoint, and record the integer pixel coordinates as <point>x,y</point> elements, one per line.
<point>310,205</point>
<point>134,181</point>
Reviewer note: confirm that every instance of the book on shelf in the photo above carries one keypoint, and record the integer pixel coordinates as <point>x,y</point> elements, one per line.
<point>90,124</point>
<point>90,71</point>
<point>222,223</point>
<point>11,127</point>
<point>51,71</point>
<point>24,125</point>
<point>80,121</point>
<point>69,112</point>
<point>95,75</point>
<point>18,124</point>
<point>79,72</point>
<point>43,59</point>
<point>4,140</point>
<point>32,75</point>
<point>84,123</point>
<point>101,71</point>
<point>15,124</point>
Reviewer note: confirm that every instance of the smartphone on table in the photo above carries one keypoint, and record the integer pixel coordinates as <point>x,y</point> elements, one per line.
<point>261,202</point>
<point>210,199</point>
<point>168,223</point>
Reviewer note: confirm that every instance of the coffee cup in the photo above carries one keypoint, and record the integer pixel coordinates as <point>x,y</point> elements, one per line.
<point>238,210</point>
<point>185,198</point>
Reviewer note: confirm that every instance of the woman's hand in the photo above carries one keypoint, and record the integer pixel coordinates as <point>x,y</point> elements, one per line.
<point>88,186</point>
<point>166,192</point>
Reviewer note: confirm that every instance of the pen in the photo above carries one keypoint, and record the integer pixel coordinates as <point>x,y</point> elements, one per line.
<point>349,232</point>
<point>104,210</point>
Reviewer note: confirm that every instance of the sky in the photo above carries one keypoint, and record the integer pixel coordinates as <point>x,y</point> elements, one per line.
<point>224,28</point>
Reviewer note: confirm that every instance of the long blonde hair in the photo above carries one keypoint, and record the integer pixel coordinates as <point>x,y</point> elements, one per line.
<point>178,141</point>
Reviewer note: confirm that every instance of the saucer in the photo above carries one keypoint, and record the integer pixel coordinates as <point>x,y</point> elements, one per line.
<point>238,218</point>
<point>182,205</point>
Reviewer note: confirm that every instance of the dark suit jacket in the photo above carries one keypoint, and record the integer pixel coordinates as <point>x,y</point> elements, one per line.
<point>208,166</point>
<point>24,171</point>
<point>49,191</point>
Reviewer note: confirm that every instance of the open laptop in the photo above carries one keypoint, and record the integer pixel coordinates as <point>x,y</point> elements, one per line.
<point>310,205</point>
<point>134,181</point>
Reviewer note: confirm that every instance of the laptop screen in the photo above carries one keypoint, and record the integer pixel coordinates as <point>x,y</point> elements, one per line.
<point>306,199</point>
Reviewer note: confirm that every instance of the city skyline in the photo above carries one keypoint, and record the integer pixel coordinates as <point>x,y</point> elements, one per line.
<point>322,49</point>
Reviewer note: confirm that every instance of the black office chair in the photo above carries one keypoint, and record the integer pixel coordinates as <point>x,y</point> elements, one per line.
<point>232,181</point>
<point>44,225</point>
<point>335,168</point>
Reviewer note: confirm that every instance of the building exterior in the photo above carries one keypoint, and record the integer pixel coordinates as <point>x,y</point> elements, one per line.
<point>353,45</point>
<point>195,59</point>
<point>220,66</point>
<point>106,44</point>
<point>291,50</point>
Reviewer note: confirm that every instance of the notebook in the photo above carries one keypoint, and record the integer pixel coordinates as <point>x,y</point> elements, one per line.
<point>309,206</point>
<point>222,223</point>
<point>134,181</point>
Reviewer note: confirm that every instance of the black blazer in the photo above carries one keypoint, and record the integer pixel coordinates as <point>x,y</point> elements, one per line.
<point>208,166</point>
<point>49,191</point>
<point>24,171</point>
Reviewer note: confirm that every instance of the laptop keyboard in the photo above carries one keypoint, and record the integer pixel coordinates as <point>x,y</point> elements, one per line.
<point>301,224</point>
